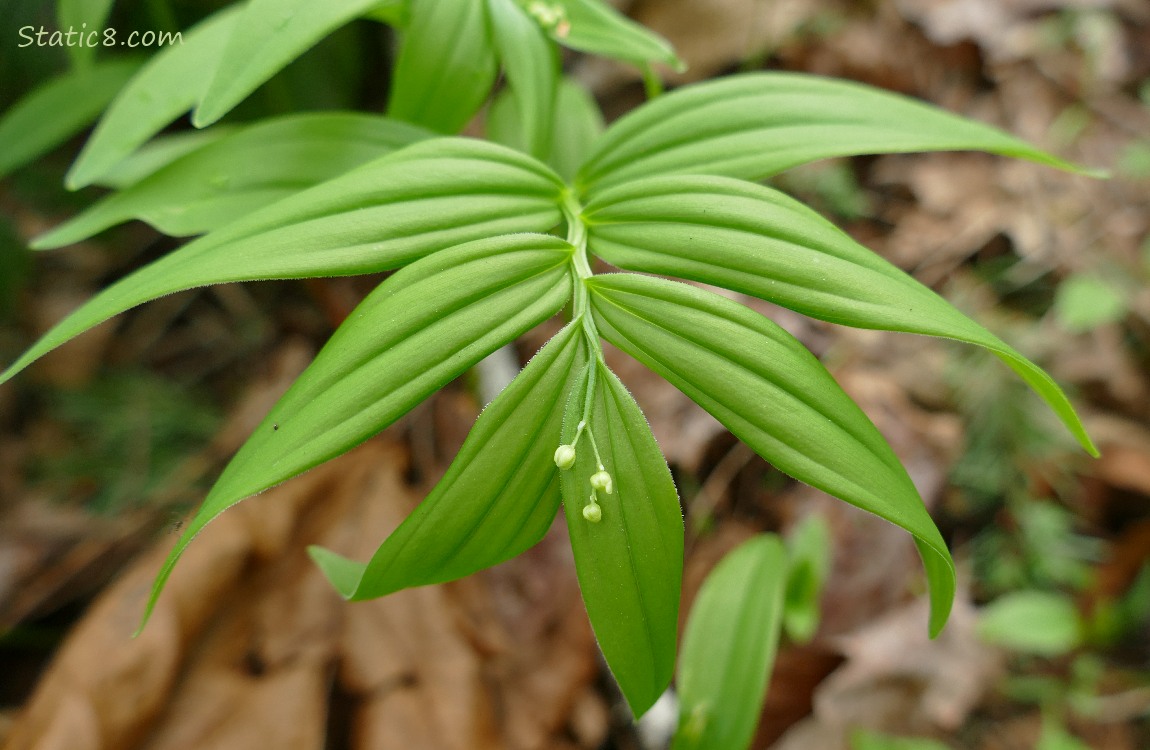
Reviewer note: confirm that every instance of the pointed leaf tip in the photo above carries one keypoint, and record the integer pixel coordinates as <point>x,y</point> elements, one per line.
<point>500,494</point>
<point>434,194</point>
<point>754,125</point>
<point>341,572</point>
<point>267,37</point>
<point>419,330</point>
<point>628,553</point>
<point>772,394</point>
<point>756,240</point>
<point>167,86</point>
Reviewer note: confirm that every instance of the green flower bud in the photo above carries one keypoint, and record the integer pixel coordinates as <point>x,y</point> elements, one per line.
<point>593,513</point>
<point>565,456</point>
<point>601,481</point>
<point>549,16</point>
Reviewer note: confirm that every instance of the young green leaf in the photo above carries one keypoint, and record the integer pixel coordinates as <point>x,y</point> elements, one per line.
<point>57,110</point>
<point>1032,622</point>
<point>416,332</point>
<point>166,87</point>
<point>85,17</point>
<point>496,500</point>
<point>729,647</point>
<point>808,565</point>
<point>630,560</point>
<point>504,122</point>
<point>577,123</point>
<point>595,27</point>
<point>239,174</point>
<point>446,65</point>
<point>532,70</point>
<point>159,153</point>
<point>772,394</point>
<point>1084,301</point>
<point>267,36</point>
<point>755,240</point>
<point>863,739</point>
<point>399,208</point>
<point>754,125</point>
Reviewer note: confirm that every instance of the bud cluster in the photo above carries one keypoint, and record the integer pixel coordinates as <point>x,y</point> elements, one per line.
<point>600,481</point>
<point>552,17</point>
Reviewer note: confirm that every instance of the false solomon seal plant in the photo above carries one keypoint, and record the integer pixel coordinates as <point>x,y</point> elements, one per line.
<point>491,238</point>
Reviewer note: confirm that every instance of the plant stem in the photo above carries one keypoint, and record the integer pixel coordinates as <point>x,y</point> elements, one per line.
<point>577,236</point>
<point>580,264</point>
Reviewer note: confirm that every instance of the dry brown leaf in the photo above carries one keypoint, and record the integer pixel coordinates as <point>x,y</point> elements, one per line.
<point>713,35</point>
<point>1004,29</point>
<point>52,554</point>
<point>895,679</point>
<point>74,363</point>
<point>225,711</point>
<point>250,646</point>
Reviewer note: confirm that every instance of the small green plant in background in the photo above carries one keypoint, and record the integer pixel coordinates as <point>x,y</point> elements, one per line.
<point>1032,565</point>
<point>489,239</point>
<point>122,437</point>
<point>1087,300</point>
<point>867,740</point>
<point>762,590</point>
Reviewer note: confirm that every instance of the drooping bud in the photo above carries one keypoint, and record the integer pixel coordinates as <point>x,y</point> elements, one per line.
<point>565,456</point>
<point>602,481</point>
<point>547,14</point>
<point>593,513</point>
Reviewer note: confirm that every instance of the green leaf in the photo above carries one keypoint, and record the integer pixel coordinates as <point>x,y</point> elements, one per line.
<point>595,27</point>
<point>158,153</point>
<point>57,110</point>
<point>504,123</point>
<point>808,565</point>
<point>85,17</point>
<point>267,36</point>
<point>772,394</point>
<point>167,86</point>
<point>446,65</point>
<point>1055,735</point>
<point>532,70</point>
<point>416,332</point>
<point>577,123</point>
<point>629,563</point>
<point>729,647</point>
<point>755,240</point>
<point>1134,161</point>
<point>242,173</point>
<point>496,500</point>
<point>392,12</point>
<point>1032,622</point>
<point>1086,301</point>
<point>754,125</point>
<point>863,739</point>
<point>399,208</point>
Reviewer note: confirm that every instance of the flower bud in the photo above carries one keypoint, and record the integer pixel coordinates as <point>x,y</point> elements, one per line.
<point>601,481</point>
<point>593,513</point>
<point>565,456</point>
<point>549,16</point>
